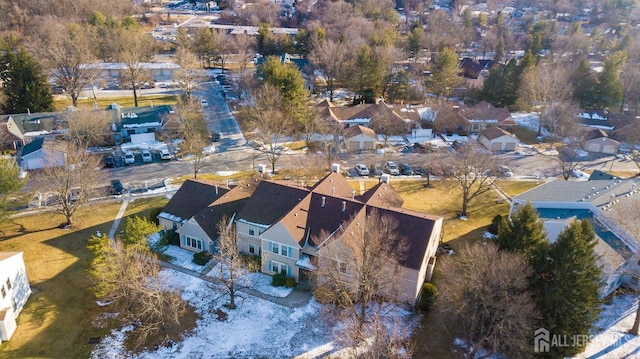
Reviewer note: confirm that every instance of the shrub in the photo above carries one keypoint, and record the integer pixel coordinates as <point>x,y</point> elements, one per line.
<point>449,133</point>
<point>323,295</point>
<point>279,279</point>
<point>153,215</point>
<point>251,262</point>
<point>290,282</point>
<point>495,222</point>
<point>201,258</point>
<point>170,237</point>
<point>428,296</point>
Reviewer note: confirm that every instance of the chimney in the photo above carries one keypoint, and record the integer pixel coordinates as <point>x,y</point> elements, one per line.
<point>353,194</point>
<point>385,178</point>
<point>335,167</point>
<point>333,191</point>
<point>216,190</point>
<point>324,201</point>
<point>344,206</point>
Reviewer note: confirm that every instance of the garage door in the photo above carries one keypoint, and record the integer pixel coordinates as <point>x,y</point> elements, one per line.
<point>510,146</point>
<point>496,146</point>
<point>353,146</point>
<point>368,145</point>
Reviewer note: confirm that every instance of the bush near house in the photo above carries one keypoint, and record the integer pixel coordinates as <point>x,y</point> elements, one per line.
<point>428,296</point>
<point>279,279</point>
<point>290,282</point>
<point>170,237</point>
<point>495,222</point>
<point>251,262</point>
<point>153,215</point>
<point>323,295</point>
<point>201,258</point>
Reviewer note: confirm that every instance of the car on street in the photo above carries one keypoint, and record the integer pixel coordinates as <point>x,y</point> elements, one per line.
<point>204,103</point>
<point>215,137</point>
<point>165,154</point>
<point>129,158</point>
<point>146,157</point>
<point>109,162</point>
<point>391,168</point>
<point>116,187</point>
<point>362,169</point>
<point>504,171</point>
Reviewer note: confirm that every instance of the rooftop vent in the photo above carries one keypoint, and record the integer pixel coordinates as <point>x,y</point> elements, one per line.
<point>324,201</point>
<point>344,206</point>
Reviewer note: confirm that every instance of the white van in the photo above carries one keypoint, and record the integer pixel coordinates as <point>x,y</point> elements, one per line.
<point>165,154</point>
<point>146,156</point>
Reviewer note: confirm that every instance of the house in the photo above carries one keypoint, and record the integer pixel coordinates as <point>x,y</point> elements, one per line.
<point>133,121</point>
<point>497,139</point>
<point>373,115</point>
<point>360,138</point>
<point>598,141</point>
<point>293,227</point>
<point>28,126</point>
<point>39,154</point>
<point>559,202</point>
<point>8,140</point>
<point>192,197</point>
<point>14,291</point>
<point>474,119</point>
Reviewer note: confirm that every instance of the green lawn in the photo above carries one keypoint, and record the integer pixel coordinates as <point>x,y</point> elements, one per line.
<point>61,314</point>
<point>125,101</point>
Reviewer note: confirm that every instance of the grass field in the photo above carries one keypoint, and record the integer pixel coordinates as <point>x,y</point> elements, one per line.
<point>62,103</point>
<point>60,316</point>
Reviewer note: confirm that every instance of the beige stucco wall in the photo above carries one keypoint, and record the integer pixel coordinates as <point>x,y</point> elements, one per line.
<point>279,234</point>
<point>193,230</point>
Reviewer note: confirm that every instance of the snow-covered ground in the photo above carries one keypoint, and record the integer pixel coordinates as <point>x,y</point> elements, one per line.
<point>257,328</point>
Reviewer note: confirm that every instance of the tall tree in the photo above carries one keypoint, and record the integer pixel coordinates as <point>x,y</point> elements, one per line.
<point>136,49</point>
<point>24,84</point>
<point>137,231</point>
<point>501,86</point>
<point>484,295</point>
<point>470,170</point>
<point>67,50</point>
<point>334,59</point>
<point>522,233</point>
<point>445,72</point>
<point>72,181</point>
<point>193,129</point>
<point>610,89</point>
<point>89,128</point>
<point>566,286</point>
<point>190,73</point>
<point>584,83</point>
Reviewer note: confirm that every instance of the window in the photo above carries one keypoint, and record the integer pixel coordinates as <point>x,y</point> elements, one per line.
<point>274,248</point>
<point>278,267</point>
<point>252,231</point>
<point>193,243</point>
<point>252,249</point>
<point>281,249</point>
<point>8,283</point>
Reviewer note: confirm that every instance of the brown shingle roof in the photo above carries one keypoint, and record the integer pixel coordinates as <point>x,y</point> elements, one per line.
<point>359,130</point>
<point>328,218</point>
<point>270,201</point>
<point>383,195</point>
<point>333,185</point>
<point>491,133</point>
<point>193,196</point>
<point>485,111</point>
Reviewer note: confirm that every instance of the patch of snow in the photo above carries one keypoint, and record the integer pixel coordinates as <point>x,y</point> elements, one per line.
<point>256,281</point>
<point>182,258</point>
<point>488,235</point>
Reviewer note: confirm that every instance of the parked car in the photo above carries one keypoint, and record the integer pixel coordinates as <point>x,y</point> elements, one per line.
<point>165,154</point>
<point>362,169</point>
<point>204,103</point>
<point>391,168</point>
<point>405,169</point>
<point>116,187</point>
<point>375,170</point>
<point>215,137</point>
<point>504,171</point>
<point>146,156</point>
<point>129,158</point>
<point>109,162</point>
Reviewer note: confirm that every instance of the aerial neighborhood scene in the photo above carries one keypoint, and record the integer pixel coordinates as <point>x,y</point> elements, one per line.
<point>320,179</point>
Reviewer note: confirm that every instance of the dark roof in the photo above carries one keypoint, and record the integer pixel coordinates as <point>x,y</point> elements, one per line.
<point>36,122</point>
<point>383,195</point>
<point>327,219</point>
<point>139,115</point>
<point>595,133</point>
<point>226,205</point>
<point>485,111</point>
<point>32,146</point>
<point>471,68</point>
<point>193,196</point>
<point>270,201</point>
<point>599,175</point>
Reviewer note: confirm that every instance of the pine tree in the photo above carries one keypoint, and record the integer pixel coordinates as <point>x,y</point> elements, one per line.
<point>566,286</point>
<point>445,72</point>
<point>610,89</point>
<point>584,84</point>
<point>24,84</point>
<point>137,230</point>
<point>523,233</point>
<point>501,86</point>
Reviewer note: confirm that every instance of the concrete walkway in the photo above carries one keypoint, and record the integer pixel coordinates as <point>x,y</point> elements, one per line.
<point>297,298</point>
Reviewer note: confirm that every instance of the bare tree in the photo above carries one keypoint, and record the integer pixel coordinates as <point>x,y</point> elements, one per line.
<point>330,133</point>
<point>387,124</point>
<point>541,87</point>
<point>88,128</point>
<point>244,47</point>
<point>189,73</point>
<point>128,278</point>
<point>195,135</point>
<point>136,48</point>
<point>67,51</point>
<point>484,295</point>
<point>233,267</point>
<point>335,60</point>
<point>270,122</point>
<point>471,170</point>
<point>71,173</point>
<point>361,266</point>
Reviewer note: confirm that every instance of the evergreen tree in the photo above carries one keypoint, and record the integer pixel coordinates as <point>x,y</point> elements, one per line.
<point>100,271</point>
<point>445,72</point>
<point>610,89</point>
<point>584,84</point>
<point>24,84</point>
<point>523,233</point>
<point>137,230</point>
<point>500,87</point>
<point>566,286</point>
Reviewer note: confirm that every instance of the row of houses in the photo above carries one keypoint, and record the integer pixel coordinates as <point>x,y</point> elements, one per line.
<point>292,228</point>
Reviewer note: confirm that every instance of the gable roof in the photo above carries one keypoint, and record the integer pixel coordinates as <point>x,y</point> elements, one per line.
<point>270,201</point>
<point>35,124</point>
<point>484,111</point>
<point>493,132</point>
<point>138,115</point>
<point>595,133</point>
<point>32,146</point>
<point>333,184</point>
<point>382,195</point>
<point>359,130</point>
<point>191,198</point>
<point>599,175</point>
<point>6,255</point>
<point>226,205</point>
<point>326,219</point>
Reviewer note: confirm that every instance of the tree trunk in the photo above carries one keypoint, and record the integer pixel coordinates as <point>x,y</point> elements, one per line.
<point>465,204</point>
<point>232,297</point>
<point>636,323</point>
<point>74,99</point>
<point>135,96</point>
